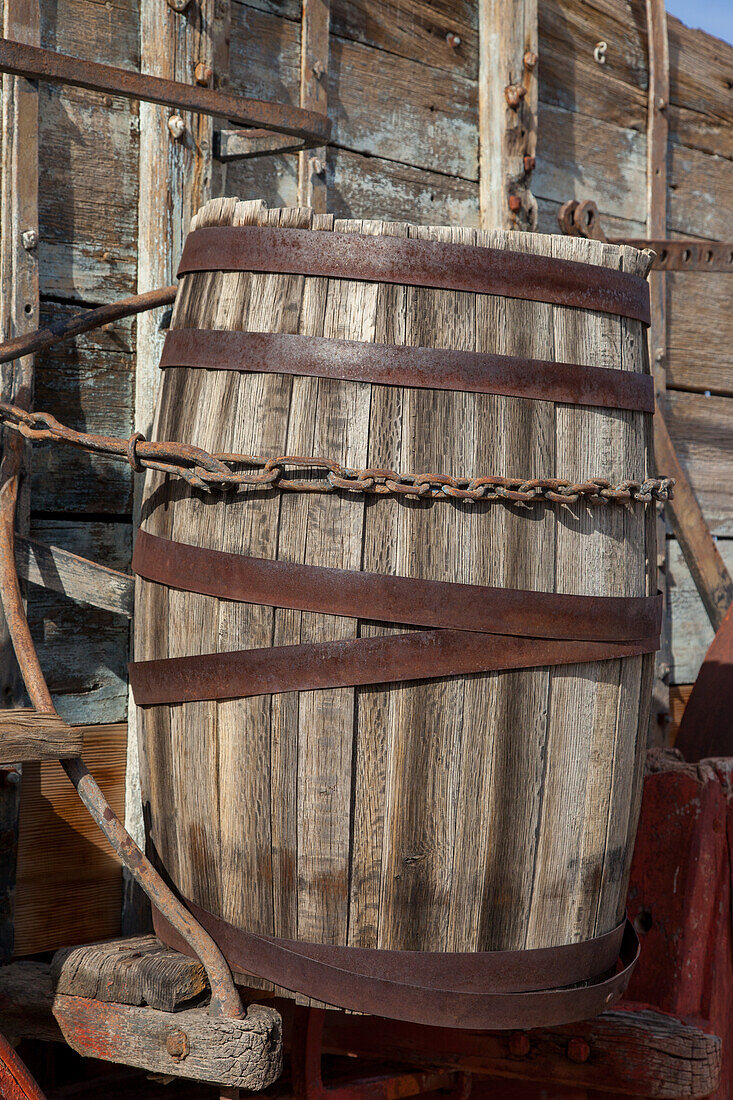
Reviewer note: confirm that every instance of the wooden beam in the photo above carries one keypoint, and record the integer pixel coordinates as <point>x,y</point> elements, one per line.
<point>76,577</point>
<point>312,186</point>
<point>26,736</point>
<point>19,314</point>
<point>508,96</point>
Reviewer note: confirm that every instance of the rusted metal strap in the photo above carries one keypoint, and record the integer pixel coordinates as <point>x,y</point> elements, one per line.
<point>393,365</point>
<point>685,255</point>
<point>480,629</point>
<point>420,655</point>
<point>484,990</point>
<point>408,600</point>
<point>416,263</point>
<point>39,64</point>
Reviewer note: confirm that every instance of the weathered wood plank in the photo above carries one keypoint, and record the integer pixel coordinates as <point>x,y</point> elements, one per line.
<point>702,433</point>
<point>700,331</point>
<point>137,970</point>
<point>508,88</point>
<point>76,577</point>
<point>26,736</point>
<point>382,105</point>
<point>83,651</point>
<point>691,629</point>
<point>314,42</point>
<point>700,194</point>
<point>69,880</point>
<point>678,696</point>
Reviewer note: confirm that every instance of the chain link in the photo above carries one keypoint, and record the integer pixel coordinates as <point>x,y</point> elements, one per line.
<point>221,471</point>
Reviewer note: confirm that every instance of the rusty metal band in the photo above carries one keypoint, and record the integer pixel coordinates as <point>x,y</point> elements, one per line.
<point>393,365</point>
<point>312,128</point>
<point>483,990</point>
<point>416,263</point>
<point>352,662</point>
<point>394,599</point>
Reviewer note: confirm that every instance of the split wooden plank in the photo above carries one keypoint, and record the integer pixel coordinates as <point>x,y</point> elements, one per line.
<point>26,736</point>
<point>314,37</point>
<point>19,313</point>
<point>77,577</point>
<point>508,97</point>
<point>137,970</point>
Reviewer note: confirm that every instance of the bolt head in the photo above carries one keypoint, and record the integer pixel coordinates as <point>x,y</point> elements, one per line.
<point>178,6</point>
<point>454,40</point>
<point>29,239</point>
<point>515,204</point>
<point>519,1044</point>
<point>530,60</point>
<point>529,164</point>
<point>176,1044</point>
<point>318,69</point>
<point>177,127</point>
<point>318,166</point>
<point>203,74</point>
<point>578,1050</point>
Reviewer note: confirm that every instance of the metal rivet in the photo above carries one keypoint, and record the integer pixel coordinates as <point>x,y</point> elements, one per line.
<point>530,59</point>
<point>177,127</point>
<point>454,40</point>
<point>519,1044</point>
<point>515,204</point>
<point>176,1043</point>
<point>202,74</point>
<point>29,239</point>
<point>578,1050</point>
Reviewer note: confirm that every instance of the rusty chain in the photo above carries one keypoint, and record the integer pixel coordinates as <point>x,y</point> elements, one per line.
<point>210,472</point>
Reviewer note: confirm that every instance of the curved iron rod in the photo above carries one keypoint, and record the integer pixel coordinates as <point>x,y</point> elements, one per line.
<point>225,999</point>
<point>54,333</point>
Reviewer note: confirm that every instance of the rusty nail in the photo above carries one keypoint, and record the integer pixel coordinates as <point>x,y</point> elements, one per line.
<point>318,69</point>
<point>519,1044</point>
<point>202,74</point>
<point>453,40</point>
<point>530,60</point>
<point>514,94</point>
<point>177,127</point>
<point>176,1043</point>
<point>578,1050</point>
<point>529,163</point>
<point>515,204</point>
<point>29,239</point>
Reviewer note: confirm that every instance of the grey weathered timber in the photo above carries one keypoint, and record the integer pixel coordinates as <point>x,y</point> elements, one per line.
<point>314,39</point>
<point>234,1053</point>
<point>137,970</point>
<point>77,577</point>
<point>508,97</point>
<point>26,735</point>
<point>412,815</point>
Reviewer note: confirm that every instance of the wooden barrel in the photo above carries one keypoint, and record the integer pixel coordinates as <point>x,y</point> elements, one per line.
<point>475,812</point>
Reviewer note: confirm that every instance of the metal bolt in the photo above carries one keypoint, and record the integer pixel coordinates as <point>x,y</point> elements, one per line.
<point>177,127</point>
<point>178,6</point>
<point>29,239</point>
<point>514,94</point>
<point>515,204</point>
<point>318,69</point>
<point>454,40</point>
<point>519,1044</point>
<point>578,1050</point>
<point>529,163</point>
<point>599,52</point>
<point>176,1043</point>
<point>202,74</point>
<point>530,60</point>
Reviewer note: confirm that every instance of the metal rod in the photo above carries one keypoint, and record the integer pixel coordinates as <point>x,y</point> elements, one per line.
<point>39,64</point>
<point>225,999</point>
<point>31,342</point>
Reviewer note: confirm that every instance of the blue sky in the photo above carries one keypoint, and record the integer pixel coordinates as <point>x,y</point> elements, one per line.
<point>713,16</point>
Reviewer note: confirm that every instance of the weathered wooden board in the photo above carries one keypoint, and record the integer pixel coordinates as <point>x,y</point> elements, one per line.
<point>700,333</point>
<point>678,696</point>
<point>380,104</point>
<point>83,650</point>
<point>69,882</point>
<point>691,629</point>
<point>74,576</point>
<point>702,431</point>
<point>27,736</point>
<point>700,197</point>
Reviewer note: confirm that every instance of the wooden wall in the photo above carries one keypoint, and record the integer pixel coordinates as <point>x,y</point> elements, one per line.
<point>404,106</point>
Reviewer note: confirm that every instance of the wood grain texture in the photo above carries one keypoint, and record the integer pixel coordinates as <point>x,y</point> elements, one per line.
<point>137,970</point>
<point>27,736</point>
<point>69,880</point>
<point>314,55</point>
<point>75,576</point>
<point>411,815</point>
<point>692,632</point>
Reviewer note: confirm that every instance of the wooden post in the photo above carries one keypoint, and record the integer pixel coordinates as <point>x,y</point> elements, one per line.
<point>312,185</point>
<point>508,45</point>
<point>187,43</point>
<point>19,313</point>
